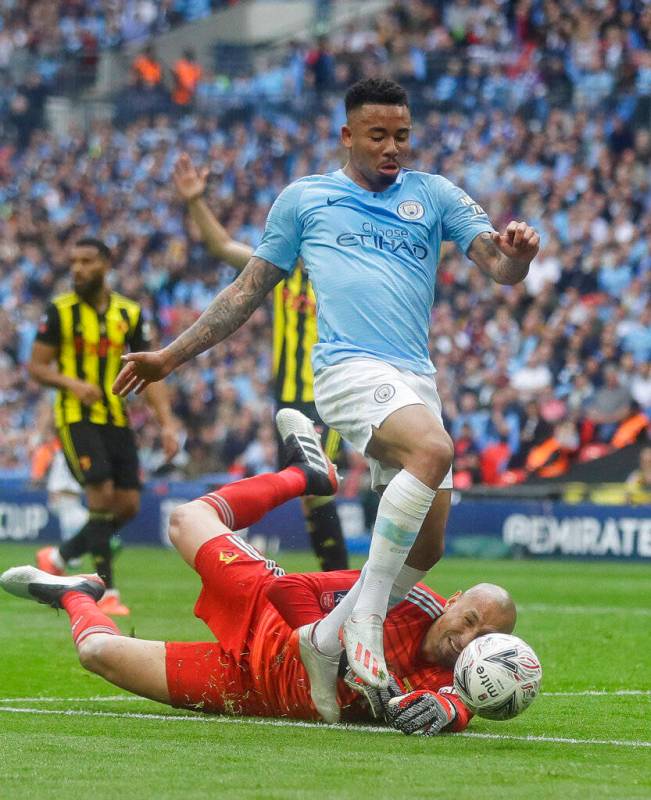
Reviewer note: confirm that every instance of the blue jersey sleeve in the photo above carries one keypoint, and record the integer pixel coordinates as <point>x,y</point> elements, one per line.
<point>281,241</point>
<point>462,217</point>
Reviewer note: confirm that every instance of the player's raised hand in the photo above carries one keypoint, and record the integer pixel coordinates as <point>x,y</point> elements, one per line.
<point>422,712</point>
<point>519,241</point>
<point>190,182</point>
<point>139,370</point>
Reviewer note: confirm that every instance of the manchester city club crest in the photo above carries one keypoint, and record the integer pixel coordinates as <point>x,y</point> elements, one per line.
<point>411,210</point>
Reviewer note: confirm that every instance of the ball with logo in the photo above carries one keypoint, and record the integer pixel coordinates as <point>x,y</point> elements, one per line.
<point>497,676</point>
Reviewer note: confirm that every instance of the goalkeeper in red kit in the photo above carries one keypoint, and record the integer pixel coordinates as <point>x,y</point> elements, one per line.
<point>260,616</point>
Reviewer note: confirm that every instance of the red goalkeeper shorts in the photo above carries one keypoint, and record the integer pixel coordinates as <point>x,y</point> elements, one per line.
<point>214,676</point>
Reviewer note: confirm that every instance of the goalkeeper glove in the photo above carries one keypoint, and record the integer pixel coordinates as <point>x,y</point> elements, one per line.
<point>421,712</point>
<point>377,699</point>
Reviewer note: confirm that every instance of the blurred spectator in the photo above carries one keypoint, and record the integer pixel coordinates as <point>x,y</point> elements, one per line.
<point>534,429</point>
<point>610,404</point>
<point>553,457</point>
<point>187,73</point>
<point>320,63</point>
<point>466,457</point>
<point>530,379</point>
<point>148,69</point>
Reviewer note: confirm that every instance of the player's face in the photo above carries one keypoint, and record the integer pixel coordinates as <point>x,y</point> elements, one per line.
<point>466,616</point>
<point>377,140</point>
<point>88,268</point>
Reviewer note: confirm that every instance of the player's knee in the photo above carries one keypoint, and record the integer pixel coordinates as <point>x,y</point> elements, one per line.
<point>93,651</point>
<point>433,456</point>
<point>180,523</point>
<point>129,509</point>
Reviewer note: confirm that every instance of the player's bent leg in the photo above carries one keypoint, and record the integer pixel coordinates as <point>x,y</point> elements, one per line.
<point>411,438</point>
<point>136,665</point>
<point>132,664</point>
<point>233,507</point>
<point>191,525</point>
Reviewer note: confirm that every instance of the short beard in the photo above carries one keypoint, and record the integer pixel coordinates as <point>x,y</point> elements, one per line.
<point>387,180</point>
<point>89,290</point>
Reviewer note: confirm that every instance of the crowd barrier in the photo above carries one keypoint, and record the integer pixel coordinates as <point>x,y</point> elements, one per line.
<point>490,527</point>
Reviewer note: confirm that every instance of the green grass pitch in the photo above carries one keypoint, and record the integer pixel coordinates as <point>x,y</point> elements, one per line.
<point>66,734</point>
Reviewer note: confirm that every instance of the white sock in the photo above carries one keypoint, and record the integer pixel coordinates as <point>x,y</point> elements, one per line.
<point>403,507</point>
<point>72,517</point>
<point>326,635</point>
<point>407,578</point>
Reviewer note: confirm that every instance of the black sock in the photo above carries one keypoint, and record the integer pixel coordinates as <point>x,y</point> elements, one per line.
<point>75,546</point>
<point>99,546</point>
<point>327,538</point>
<point>103,560</point>
<point>93,538</point>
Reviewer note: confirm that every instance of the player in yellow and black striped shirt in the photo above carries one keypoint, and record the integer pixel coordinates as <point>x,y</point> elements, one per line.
<point>78,347</point>
<point>295,333</point>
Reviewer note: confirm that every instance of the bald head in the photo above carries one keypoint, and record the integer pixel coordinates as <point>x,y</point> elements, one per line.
<point>498,602</point>
<point>484,608</point>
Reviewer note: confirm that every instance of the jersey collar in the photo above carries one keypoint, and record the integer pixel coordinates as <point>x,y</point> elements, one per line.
<point>386,193</point>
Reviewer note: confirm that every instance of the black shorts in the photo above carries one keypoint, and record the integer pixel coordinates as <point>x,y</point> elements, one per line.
<point>330,439</point>
<point>97,453</point>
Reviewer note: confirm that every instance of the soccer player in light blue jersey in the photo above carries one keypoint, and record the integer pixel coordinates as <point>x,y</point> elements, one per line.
<point>369,236</point>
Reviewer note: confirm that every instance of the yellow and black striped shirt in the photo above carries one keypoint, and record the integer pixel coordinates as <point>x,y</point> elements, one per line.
<point>295,333</point>
<point>89,346</point>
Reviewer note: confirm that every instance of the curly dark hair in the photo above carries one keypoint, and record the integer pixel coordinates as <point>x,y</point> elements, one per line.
<point>375,90</point>
<point>90,241</point>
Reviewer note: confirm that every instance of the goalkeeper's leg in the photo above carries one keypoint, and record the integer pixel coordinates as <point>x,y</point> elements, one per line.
<point>136,665</point>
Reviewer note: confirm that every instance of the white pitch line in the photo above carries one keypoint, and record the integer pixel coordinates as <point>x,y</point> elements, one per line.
<point>601,693</point>
<point>559,740</point>
<point>100,698</point>
<point>111,698</point>
<point>548,608</point>
<point>282,723</point>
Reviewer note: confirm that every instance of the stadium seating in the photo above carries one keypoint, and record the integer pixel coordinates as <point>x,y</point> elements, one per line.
<point>537,118</point>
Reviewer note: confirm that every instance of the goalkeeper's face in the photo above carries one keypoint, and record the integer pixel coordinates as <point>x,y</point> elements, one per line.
<point>465,617</point>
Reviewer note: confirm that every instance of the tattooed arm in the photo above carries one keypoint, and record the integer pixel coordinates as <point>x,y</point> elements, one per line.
<point>227,312</point>
<point>505,257</point>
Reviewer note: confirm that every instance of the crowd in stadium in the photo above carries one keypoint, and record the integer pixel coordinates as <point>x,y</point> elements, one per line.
<point>50,45</point>
<point>540,111</point>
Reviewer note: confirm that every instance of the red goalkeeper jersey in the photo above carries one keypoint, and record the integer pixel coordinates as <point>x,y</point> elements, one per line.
<point>280,680</point>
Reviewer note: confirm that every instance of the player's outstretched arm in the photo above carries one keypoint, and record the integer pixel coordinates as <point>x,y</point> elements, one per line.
<point>227,312</point>
<point>505,257</point>
<point>191,186</point>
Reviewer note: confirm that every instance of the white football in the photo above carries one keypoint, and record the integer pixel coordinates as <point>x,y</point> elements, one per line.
<point>497,676</point>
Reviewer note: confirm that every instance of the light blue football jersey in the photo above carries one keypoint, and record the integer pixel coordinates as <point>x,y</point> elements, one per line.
<point>372,259</point>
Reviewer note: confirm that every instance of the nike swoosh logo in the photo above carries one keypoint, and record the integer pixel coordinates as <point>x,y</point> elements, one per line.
<point>336,200</point>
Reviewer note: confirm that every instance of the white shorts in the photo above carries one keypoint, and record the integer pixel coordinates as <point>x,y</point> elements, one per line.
<point>358,394</point>
<point>60,479</point>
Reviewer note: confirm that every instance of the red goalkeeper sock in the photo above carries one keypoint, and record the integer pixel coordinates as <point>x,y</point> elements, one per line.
<point>85,617</point>
<point>244,502</point>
